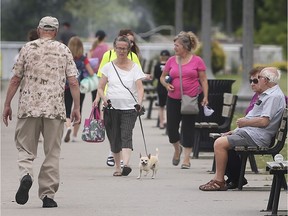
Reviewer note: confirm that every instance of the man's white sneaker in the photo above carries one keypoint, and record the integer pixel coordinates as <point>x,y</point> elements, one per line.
<point>74,139</point>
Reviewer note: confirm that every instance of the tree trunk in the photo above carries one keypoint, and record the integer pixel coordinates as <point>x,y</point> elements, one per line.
<point>206,36</point>
<point>228,18</point>
<point>178,16</point>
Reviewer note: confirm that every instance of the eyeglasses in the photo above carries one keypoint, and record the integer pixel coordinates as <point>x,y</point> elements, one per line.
<point>255,81</point>
<point>121,49</point>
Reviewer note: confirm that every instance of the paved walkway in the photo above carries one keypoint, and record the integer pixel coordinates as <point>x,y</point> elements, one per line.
<point>88,187</point>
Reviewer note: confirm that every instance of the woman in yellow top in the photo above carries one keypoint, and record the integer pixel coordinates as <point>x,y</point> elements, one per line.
<point>110,55</point>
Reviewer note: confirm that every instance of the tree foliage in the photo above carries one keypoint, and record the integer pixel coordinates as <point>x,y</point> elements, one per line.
<point>18,17</point>
<point>273,26</point>
<point>218,57</point>
<point>108,15</point>
<point>87,16</point>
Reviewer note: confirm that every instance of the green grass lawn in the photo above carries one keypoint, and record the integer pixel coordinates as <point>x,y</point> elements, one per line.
<point>261,160</point>
<point>238,79</point>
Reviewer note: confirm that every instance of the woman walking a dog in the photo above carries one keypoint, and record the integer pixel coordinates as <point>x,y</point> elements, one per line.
<point>193,74</point>
<point>123,78</point>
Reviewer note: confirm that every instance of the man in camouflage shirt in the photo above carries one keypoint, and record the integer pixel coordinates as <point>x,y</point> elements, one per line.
<point>41,71</point>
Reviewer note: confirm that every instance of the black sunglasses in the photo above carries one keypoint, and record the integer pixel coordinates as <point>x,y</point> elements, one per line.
<point>255,81</point>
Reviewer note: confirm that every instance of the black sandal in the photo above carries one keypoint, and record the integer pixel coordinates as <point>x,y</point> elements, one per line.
<point>126,170</point>
<point>110,161</point>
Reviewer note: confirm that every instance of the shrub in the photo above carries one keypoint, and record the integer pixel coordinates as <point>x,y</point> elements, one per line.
<point>218,56</point>
<point>283,65</point>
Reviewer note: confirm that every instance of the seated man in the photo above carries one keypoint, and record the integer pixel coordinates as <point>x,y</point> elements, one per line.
<point>257,128</point>
<point>234,162</point>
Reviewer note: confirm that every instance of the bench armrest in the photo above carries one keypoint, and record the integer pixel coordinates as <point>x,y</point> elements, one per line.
<point>214,135</point>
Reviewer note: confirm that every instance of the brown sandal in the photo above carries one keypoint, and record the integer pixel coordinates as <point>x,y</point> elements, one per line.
<point>117,173</point>
<point>214,185</point>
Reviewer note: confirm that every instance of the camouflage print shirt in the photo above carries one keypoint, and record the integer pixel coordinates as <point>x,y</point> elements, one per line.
<point>43,66</point>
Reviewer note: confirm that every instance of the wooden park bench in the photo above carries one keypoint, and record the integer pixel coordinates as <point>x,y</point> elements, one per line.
<point>278,170</point>
<point>149,88</point>
<point>150,95</point>
<point>216,90</point>
<point>203,128</point>
<point>274,148</point>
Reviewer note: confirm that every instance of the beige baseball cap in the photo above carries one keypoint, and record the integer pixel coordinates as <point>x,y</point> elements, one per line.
<point>48,23</point>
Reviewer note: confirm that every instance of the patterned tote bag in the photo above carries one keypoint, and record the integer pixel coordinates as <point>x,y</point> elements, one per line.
<point>94,129</point>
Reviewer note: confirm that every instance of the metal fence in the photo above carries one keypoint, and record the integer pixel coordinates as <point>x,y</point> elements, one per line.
<point>263,54</point>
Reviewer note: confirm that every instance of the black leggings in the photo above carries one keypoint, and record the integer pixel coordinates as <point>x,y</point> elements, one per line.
<point>94,93</point>
<point>174,117</point>
<point>233,166</point>
<point>69,101</point>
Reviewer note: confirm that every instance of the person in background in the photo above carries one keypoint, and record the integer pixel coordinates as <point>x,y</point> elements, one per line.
<point>234,162</point>
<point>99,47</point>
<point>41,76</point>
<point>67,33</point>
<point>254,86</point>
<point>131,36</point>
<point>257,128</point>
<point>161,90</point>
<point>194,83</point>
<point>84,68</point>
<point>117,73</point>
<point>133,55</point>
<point>32,35</point>
<point>109,56</point>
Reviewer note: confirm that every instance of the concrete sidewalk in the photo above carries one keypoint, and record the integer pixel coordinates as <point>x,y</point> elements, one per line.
<point>88,187</point>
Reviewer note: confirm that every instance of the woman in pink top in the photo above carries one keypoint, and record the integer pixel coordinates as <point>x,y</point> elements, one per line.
<point>99,47</point>
<point>194,83</point>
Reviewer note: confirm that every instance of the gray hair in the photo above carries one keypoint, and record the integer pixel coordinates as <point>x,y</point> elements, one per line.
<point>272,74</point>
<point>188,39</point>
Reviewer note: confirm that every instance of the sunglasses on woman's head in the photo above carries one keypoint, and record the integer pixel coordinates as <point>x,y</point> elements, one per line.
<point>255,81</point>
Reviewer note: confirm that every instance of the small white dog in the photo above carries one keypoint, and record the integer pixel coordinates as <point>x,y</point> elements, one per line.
<point>149,163</point>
